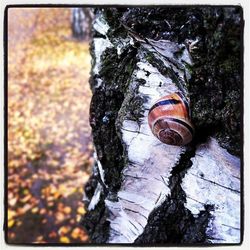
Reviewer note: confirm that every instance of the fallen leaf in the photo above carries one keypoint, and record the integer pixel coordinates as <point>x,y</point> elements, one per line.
<point>64,239</point>
<point>63,230</point>
<point>11,223</point>
<point>75,233</point>
<point>81,211</point>
<point>67,210</point>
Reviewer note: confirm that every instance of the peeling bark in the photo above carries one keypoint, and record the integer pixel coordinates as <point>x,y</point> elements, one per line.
<point>141,190</point>
<point>215,178</point>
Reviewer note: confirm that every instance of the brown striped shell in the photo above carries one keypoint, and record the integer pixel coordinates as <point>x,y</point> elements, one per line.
<point>169,120</point>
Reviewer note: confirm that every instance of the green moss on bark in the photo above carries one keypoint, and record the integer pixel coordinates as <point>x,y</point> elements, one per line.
<point>215,87</point>
<point>213,35</point>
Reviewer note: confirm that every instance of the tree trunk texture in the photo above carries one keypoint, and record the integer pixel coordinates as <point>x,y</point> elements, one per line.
<point>81,19</point>
<point>143,191</point>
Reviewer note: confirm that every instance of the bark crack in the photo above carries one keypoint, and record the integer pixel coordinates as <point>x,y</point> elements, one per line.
<point>216,183</point>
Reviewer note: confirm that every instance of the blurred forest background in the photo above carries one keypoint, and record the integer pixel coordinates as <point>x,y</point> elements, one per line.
<point>49,143</point>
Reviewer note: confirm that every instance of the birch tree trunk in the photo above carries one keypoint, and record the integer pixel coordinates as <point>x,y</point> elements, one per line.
<point>81,19</point>
<point>144,191</point>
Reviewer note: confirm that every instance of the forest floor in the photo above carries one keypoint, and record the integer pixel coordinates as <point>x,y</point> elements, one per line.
<point>49,142</point>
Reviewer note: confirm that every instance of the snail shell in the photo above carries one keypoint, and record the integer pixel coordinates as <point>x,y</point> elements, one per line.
<point>169,120</point>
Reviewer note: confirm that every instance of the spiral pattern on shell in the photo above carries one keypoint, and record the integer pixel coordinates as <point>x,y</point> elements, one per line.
<point>169,120</point>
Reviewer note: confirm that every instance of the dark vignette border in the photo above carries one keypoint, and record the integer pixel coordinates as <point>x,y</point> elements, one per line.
<point>5,42</point>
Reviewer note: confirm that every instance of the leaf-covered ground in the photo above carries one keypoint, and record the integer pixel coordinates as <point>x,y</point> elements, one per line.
<point>49,145</point>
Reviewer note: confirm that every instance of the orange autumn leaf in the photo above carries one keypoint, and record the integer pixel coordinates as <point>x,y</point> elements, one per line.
<point>25,199</point>
<point>42,211</point>
<point>53,234</point>
<point>67,210</point>
<point>75,233</point>
<point>59,217</point>
<point>64,239</point>
<point>63,230</point>
<point>34,210</point>
<point>84,237</point>
<point>81,210</point>
<point>11,214</point>
<point>78,218</point>
<point>11,223</point>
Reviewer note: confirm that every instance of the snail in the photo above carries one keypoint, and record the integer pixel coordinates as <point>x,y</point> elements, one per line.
<point>169,120</point>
